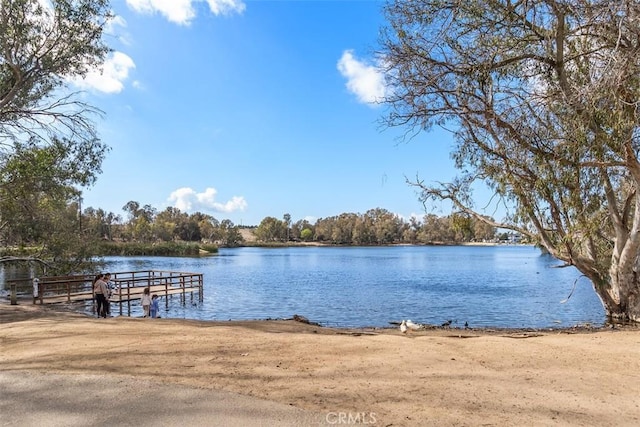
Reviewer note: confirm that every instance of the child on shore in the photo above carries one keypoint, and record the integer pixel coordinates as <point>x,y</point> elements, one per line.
<point>155,303</point>
<point>146,302</point>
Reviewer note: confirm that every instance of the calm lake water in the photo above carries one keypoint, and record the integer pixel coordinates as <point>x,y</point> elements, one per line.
<point>499,286</point>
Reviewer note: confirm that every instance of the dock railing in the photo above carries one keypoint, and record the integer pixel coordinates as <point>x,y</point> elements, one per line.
<point>127,286</point>
<point>56,288</point>
<point>130,285</point>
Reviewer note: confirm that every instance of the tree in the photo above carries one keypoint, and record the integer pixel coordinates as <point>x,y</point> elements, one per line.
<point>141,219</point>
<point>231,236</point>
<point>410,233</point>
<point>132,207</point>
<point>342,230</point>
<point>166,223</point>
<point>271,229</point>
<point>306,234</point>
<point>189,230</point>
<point>287,221</point>
<point>98,224</point>
<point>483,230</point>
<point>41,45</point>
<point>140,229</point>
<point>542,98</point>
<point>211,229</point>
<point>39,203</point>
<point>299,226</point>
<point>462,225</point>
<point>386,225</point>
<point>363,232</point>
<point>209,226</point>
<point>323,229</point>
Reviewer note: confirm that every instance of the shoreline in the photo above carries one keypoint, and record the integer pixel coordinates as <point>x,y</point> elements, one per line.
<point>25,310</point>
<point>393,325</point>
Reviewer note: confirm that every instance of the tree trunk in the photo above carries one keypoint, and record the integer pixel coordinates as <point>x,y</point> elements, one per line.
<point>621,295</point>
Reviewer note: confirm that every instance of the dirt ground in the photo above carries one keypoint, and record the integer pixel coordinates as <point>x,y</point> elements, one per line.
<point>439,377</point>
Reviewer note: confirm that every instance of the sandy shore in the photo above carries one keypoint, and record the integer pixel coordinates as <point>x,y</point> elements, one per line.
<point>440,377</point>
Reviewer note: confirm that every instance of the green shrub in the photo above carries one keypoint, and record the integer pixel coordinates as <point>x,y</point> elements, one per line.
<point>154,249</point>
<point>213,249</point>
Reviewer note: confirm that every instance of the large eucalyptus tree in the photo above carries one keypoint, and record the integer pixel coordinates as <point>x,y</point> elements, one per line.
<point>48,143</point>
<point>542,97</point>
<point>43,44</point>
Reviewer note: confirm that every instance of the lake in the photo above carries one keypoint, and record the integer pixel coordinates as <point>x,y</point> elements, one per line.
<point>485,286</point>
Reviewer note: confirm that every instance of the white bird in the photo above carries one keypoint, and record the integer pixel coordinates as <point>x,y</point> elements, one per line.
<point>412,326</point>
<point>403,327</point>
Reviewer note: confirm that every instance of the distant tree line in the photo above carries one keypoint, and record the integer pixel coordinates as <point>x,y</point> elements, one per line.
<point>144,224</point>
<point>142,229</point>
<point>376,227</point>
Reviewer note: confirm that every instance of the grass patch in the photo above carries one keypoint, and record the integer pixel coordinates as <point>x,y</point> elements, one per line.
<point>156,249</point>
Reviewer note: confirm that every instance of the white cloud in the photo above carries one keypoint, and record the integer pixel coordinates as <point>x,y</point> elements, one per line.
<point>188,200</point>
<point>182,11</point>
<point>224,7</point>
<point>109,79</point>
<point>363,80</point>
<point>116,28</point>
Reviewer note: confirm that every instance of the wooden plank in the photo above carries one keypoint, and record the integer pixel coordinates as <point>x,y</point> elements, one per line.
<point>88,296</point>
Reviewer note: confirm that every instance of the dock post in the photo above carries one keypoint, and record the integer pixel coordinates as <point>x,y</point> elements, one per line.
<point>36,290</point>
<point>14,294</point>
<point>166,294</point>
<point>128,298</point>
<point>184,296</point>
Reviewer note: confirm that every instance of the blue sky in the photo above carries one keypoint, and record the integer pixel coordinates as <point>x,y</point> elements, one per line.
<point>244,110</point>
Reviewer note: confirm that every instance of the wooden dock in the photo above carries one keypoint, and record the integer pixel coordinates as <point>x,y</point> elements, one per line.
<point>128,286</point>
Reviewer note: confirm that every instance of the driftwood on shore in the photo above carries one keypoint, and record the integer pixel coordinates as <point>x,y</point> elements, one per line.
<point>303,319</point>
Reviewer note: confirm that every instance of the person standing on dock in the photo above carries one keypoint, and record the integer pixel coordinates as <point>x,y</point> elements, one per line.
<point>101,292</point>
<point>146,302</point>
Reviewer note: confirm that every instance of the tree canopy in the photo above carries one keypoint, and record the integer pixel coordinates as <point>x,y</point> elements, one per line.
<point>41,45</point>
<point>49,148</point>
<point>542,98</point>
